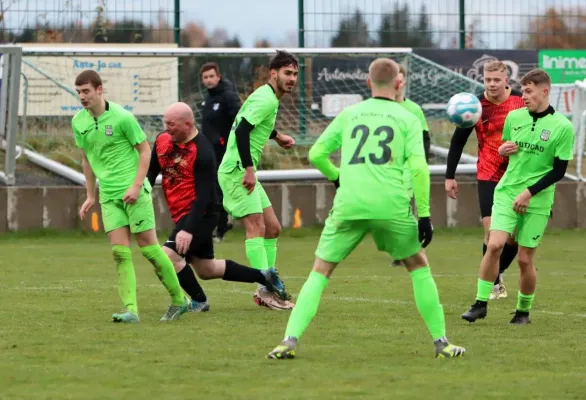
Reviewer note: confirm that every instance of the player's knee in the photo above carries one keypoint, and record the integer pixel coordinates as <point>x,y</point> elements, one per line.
<point>254,225</point>
<point>525,260</point>
<point>121,254</point>
<point>206,269</point>
<point>273,230</point>
<point>418,260</point>
<point>178,261</point>
<point>206,274</point>
<point>495,245</point>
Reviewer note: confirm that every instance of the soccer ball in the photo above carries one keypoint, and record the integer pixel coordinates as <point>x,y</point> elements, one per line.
<point>464,110</point>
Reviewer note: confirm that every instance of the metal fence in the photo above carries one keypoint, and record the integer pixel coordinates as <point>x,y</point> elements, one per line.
<point>498,24</point>
<point>90,21</point>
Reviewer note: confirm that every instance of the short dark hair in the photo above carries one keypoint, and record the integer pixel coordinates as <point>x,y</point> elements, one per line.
<point>209,65</point>
<point>282,59</point>
<point>537,77</point>
<point>88,76</point>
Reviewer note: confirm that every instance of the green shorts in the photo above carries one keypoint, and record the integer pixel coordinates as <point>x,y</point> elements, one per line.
<point>397,237</point>
<point>237,202</point>
<point>530,227</point>
<point>140,216</point>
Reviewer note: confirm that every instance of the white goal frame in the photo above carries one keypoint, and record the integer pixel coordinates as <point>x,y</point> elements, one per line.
<point>263,175</point>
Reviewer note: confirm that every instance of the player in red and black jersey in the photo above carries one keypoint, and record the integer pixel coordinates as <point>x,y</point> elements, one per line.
<point>186,161</point>
<point>497,101</point>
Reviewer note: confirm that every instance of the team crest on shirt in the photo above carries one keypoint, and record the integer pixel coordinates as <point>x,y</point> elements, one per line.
<point>216,106</point>
<point>545,135</point>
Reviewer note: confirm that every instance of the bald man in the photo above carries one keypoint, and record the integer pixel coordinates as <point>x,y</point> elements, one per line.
<point>186,160</point>
<point>377,138</point>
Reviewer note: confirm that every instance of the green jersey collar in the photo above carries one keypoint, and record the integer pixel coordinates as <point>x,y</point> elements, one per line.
<point>549,110</point>
<point>107,108</point>
<point>383,98</point>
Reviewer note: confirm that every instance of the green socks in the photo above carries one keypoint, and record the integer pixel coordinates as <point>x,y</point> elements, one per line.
<point>165,272</point>
<point>256,253</point>
<point>271,250</point>
<point>524,301</point>
<point>484,289</point>
<point>126,277</point>
<point>427,301</point>
<point>306,306</point>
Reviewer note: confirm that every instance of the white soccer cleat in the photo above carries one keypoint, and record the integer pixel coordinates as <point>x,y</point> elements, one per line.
<point>494,294</point>
<point>264,298</point>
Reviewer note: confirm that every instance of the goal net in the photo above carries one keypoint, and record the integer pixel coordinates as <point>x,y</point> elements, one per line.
<point>146,79</point>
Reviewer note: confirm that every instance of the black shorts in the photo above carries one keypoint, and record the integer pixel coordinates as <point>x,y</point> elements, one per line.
<point>202,243</point>
<point>486,197</point>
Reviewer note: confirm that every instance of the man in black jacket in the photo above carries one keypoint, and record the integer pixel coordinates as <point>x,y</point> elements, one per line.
<point>219,108</point>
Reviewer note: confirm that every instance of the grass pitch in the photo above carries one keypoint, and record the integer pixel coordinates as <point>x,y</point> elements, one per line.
<point>366,342</point>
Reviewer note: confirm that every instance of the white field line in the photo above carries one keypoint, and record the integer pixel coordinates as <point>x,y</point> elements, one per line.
<point>92,285</point>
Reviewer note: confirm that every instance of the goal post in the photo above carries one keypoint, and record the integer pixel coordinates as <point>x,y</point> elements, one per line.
<point>145,79</point>
<point>10,66</point>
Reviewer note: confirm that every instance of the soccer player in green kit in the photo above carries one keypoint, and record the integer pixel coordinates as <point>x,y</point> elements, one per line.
<point>377,138</point>
<point>115,150</point>
<point>539,143</point>
<point>243,196</point>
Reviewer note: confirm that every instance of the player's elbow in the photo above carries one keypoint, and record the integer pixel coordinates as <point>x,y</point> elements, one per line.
<point>418,165</point>
<point>559,168</point>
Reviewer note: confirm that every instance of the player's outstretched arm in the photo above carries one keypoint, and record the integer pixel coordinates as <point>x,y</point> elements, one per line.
<point>204,176</point>
<point>154,166</point>
<point>326,144</point>
<point>459,139</point>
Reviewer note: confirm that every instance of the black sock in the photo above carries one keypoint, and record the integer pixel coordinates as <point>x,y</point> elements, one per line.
<point>189,283</point>
<point>239,273</point>
<point>507,256</point>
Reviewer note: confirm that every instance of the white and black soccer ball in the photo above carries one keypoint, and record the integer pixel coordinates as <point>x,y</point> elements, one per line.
<point>464,110</point>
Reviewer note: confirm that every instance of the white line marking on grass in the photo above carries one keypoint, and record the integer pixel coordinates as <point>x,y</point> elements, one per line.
<point>95,288</point>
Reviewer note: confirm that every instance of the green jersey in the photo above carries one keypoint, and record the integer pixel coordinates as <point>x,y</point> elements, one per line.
<point>416,110</point>
<point>260,110</point>
<point>108,142</point>
<point>377,138</point>
<point>540,140</point>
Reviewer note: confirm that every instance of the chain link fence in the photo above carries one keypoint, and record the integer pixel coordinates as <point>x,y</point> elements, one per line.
<point>498,24</point>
